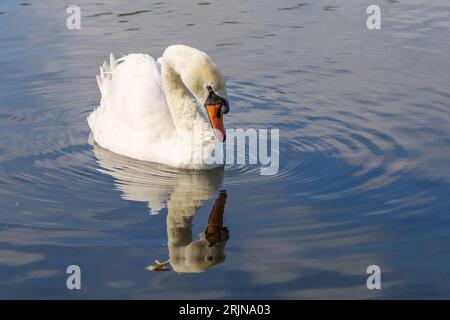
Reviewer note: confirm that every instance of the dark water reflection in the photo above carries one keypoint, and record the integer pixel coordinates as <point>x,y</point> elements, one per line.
<point>364,152</point>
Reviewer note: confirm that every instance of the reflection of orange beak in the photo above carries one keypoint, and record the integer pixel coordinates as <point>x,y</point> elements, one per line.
<point>216,119</point>
<point>216,232</point>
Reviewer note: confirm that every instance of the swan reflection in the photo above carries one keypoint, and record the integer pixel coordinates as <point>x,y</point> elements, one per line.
<point>182,193</point>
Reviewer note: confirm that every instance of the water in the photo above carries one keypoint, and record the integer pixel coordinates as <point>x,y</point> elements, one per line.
<point>364,152</point>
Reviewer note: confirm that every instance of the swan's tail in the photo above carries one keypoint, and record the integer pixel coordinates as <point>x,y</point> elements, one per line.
<point>106,72</point>
<point>103,81</point>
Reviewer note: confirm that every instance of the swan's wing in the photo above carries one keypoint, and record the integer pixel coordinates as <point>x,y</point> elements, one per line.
<point>132,95</point>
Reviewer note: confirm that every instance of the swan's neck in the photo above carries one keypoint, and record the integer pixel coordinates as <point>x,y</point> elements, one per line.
<point>184,108</point>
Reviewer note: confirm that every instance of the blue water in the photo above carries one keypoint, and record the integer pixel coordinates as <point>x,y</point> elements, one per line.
<point>364,153</point>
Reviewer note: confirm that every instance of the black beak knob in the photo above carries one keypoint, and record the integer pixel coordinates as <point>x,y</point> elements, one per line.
<point>225,107</point>
<point>213,98</point>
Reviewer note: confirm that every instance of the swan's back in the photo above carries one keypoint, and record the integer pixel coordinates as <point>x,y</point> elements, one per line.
<point>133,111</point>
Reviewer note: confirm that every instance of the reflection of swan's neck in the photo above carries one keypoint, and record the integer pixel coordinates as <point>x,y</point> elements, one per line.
<point>186,255</point>
<point>182,104</point>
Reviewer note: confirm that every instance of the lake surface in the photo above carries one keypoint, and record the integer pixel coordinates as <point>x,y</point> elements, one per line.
<point>364,154</point>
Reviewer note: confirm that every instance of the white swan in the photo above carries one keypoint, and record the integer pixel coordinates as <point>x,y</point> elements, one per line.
<point>151,110</point>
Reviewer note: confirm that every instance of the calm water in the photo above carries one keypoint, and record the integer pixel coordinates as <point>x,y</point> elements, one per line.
<point>364,153</point>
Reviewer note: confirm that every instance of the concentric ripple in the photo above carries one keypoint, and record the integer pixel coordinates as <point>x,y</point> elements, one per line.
<point>323,156</point>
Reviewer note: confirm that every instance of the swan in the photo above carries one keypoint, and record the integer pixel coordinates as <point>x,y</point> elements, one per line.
<point>168,111</point>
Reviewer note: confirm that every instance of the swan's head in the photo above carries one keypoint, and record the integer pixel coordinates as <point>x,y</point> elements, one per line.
<point>207,83</point>
<point>216,107</point>
<point>204,80</point>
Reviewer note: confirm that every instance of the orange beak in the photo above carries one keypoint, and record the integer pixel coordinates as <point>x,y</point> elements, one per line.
<point>215,115</point>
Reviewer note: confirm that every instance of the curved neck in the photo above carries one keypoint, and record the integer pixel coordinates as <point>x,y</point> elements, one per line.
<point>182,104</point>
